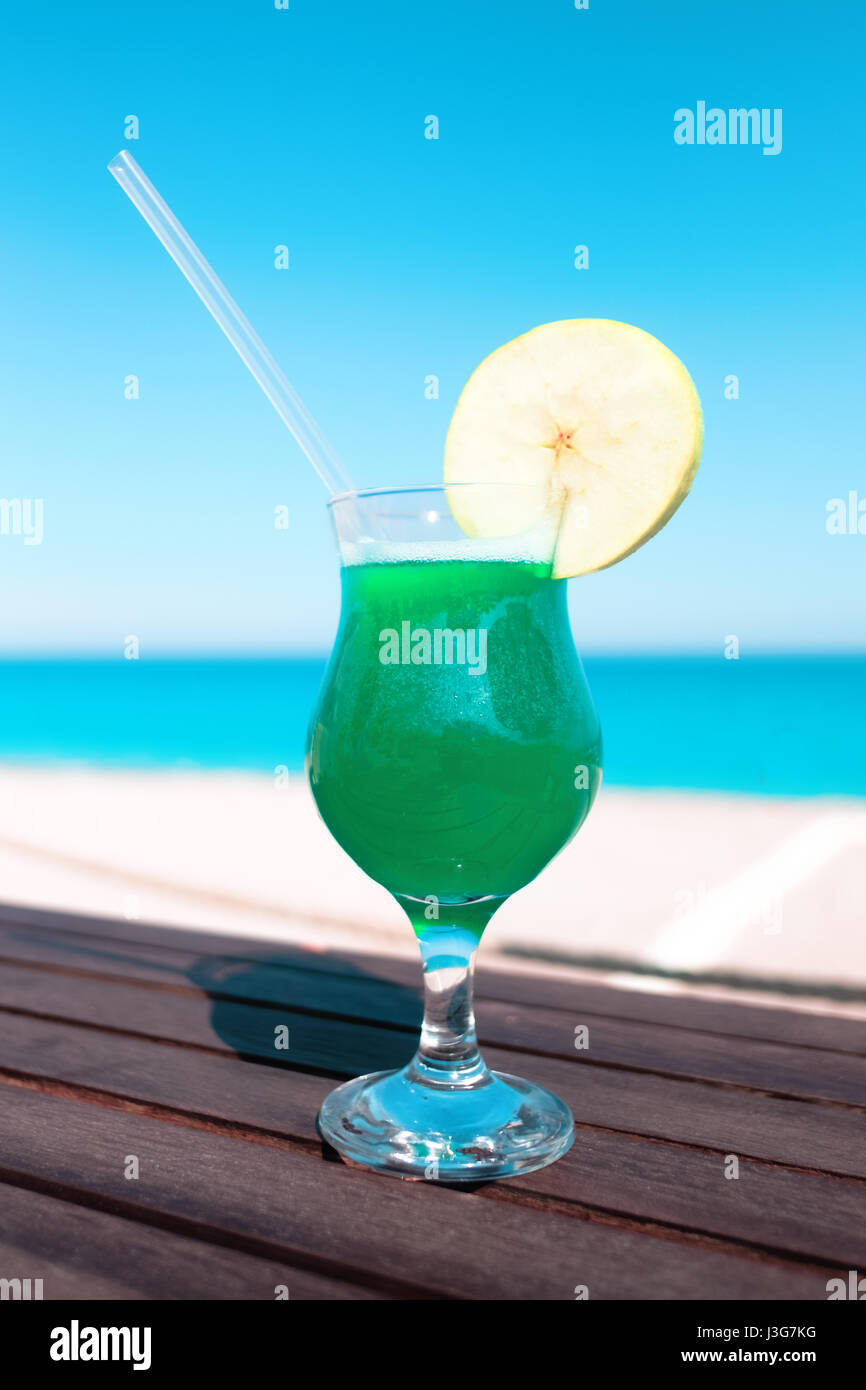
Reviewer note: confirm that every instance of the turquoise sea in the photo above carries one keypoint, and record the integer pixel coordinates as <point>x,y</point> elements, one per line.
<point>785,725</point>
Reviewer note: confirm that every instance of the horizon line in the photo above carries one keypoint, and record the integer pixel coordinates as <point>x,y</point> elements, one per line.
<point>305,654</point>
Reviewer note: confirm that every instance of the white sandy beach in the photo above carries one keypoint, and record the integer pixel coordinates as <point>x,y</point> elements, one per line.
<point>656,885</point>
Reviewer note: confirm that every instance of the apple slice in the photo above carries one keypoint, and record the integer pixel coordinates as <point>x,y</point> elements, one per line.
<point>599,415</point>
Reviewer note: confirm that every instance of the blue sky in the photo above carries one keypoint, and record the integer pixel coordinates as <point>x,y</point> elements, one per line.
<point>410,257</point>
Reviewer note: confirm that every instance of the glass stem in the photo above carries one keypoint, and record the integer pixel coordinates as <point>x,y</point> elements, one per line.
<point>448,1055</point>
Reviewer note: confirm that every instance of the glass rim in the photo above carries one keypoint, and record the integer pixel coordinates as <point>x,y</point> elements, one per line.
<point>356,493</point>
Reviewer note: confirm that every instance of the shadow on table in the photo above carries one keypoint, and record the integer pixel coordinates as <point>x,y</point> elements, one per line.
<point>281,1005</point>
<point>296,1009</point>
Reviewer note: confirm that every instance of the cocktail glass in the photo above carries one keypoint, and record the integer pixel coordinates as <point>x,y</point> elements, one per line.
<point>454,751</point>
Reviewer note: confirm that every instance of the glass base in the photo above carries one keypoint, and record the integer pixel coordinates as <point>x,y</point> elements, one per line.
<point>498,1126</point>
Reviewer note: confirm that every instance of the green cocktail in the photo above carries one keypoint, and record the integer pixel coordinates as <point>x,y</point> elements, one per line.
<point>454,769</point>
<point>454,751</point>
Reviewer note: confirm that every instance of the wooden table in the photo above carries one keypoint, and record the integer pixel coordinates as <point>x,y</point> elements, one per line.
<point>155,1144</point>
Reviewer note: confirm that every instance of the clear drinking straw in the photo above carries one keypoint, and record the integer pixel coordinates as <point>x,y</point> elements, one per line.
<point>237,328</point>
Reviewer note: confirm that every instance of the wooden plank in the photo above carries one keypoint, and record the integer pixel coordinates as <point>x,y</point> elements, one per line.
<point>82,1252</point>
<point>335,1221</point>
<point>188,1015</point>
<point>803,1072</point>
<point>289,977</point>
<point>695,1180</point>
<point>183,948</point>
<point>282,1100</point>
<point>813,1215</point>
<point>317,1043</point>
